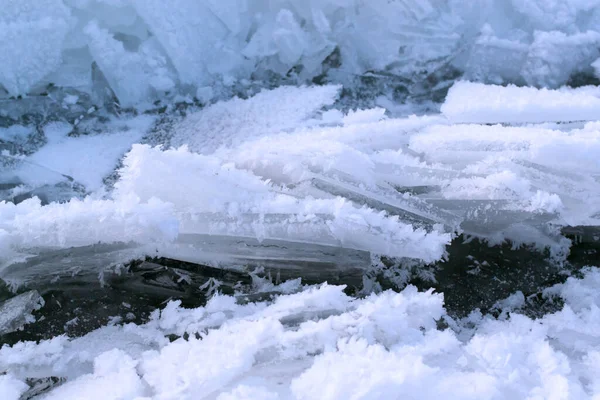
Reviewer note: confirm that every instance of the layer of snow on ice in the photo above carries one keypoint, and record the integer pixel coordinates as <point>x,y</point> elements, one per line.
<point>469,102</point>
<point>228,123</point>
<point>320,343</point>
<point>395,186</point>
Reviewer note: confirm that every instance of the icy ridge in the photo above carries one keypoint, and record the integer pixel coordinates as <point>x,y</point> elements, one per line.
<point>396,186</point>
<point>148,49</point>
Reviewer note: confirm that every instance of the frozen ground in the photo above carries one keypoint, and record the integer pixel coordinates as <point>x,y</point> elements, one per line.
<point>285,167</point>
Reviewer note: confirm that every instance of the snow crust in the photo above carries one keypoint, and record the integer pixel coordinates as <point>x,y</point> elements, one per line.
<point>320,343</point>
<point>148,49</point>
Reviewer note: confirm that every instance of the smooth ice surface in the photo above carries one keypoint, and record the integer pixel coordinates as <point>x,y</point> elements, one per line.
<point>319,343</point>
<point>148,49</point>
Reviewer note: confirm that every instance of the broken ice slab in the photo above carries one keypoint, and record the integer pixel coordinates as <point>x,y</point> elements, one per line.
<point>478,103</point>
<point>288,260</point>
<point>46,267</point>
<point>16,311</point>
<point>87,264</point>
<point>407,175</point>
<point>408,208</point>
<point>488,216</point>
<point>350,227</point>
<point>583,234</point>
<point>178,269</point>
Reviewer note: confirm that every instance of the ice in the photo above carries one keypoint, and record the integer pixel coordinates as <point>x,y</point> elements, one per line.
<point>554,56</point>
<point>277,167</point>
<point>32,35</point>
<point>196,50</point>
<point>103,151</point>
<point>231,122</point>
<point>11,388</point>
<point>321,342</point>
<point>120,139</point>
<point>469,102</point>
<point>84,222</point>
<point>148,50</point>
<point>16,311</point>
<point>136,77</point>
<point>222,200</point>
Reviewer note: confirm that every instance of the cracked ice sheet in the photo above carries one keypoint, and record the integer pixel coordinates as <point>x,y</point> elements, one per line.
<point>321,343</point>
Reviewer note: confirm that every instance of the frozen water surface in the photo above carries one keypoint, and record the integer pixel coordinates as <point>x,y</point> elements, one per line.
<point>236,200</point>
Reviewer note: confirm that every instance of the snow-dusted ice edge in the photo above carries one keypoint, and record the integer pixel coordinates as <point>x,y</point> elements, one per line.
<point>275,167</point>
<point>320,343</point>
<point>469,102</point>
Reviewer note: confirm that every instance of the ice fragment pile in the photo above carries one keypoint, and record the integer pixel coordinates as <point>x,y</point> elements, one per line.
<point>148,49</point>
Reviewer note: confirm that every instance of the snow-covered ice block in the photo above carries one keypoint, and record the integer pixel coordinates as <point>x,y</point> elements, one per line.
<point>198,43</point>
<point>136,77</point>
<point>229,123</point>
<point>84,222</point>
<point>469,102</point>
<point>554,56</point>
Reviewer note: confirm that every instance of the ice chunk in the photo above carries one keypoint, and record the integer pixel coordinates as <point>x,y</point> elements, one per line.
<point>136,77</point>
<point>16,311</point>
<point>32,33</point>
<point>197,50</point>
<point>469,102</point>
<point>222,200</point>
<point>554,56</point>
<point>85,222</point>
<point>496,60</point>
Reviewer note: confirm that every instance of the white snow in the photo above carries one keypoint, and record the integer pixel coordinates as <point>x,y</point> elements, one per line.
<point>500,162</point>
<point>91,157</point>
<point>320,343</point>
